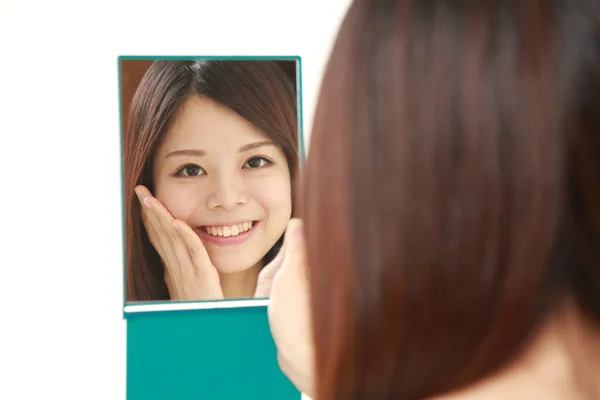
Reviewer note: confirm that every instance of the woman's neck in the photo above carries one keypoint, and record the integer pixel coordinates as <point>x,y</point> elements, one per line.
<point>563,362</point>
<point>240,284</point>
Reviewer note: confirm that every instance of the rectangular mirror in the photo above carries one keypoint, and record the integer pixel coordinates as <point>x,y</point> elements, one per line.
<point>212,149</point>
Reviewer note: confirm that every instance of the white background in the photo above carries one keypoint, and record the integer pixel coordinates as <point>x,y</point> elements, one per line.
<point>61,327</point>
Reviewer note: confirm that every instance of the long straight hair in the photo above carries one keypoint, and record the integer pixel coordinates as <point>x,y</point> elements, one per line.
<point>259,91</point>
<point>452,190</point>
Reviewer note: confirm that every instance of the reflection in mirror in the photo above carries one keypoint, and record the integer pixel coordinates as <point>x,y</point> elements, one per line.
<point>210,157</point>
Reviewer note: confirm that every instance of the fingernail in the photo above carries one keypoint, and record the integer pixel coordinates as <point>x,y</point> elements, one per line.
<point>297,229</point>
<point>147,202</point>
<point>176,225</point>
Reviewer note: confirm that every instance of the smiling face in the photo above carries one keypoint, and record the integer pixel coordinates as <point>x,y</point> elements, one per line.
<point>224,177</point>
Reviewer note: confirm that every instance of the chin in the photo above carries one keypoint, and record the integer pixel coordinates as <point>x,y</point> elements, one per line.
<point>232,266</point>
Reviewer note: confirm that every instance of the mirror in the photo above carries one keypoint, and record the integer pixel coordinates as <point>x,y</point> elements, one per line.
<point>211,152</point>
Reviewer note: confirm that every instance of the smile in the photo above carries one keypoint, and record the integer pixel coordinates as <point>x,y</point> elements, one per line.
<point>227,235</point>
<point>229,231</point>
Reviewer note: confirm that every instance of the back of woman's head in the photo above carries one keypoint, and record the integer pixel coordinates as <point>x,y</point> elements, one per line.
<point>452,190</point>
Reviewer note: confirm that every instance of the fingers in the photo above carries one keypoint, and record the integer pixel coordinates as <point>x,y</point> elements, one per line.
<point>293,231</point>
<point>290,256</point>
<point>180,256</point>
<point>293,242</point>
<point>198,262</point>
<point>265,277</point>
<point>269,271</point>
<point>164,237</point>
<point>177,233</point>
<point>293,246</point>
<point>188,269</point>
<point>150,222</point>
<point>195,248</point>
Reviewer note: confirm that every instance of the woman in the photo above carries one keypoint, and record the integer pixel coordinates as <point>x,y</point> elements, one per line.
<point>451,207</point>
<point>210,151</point>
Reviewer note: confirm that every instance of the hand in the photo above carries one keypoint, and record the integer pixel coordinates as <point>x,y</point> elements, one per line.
<point>289,313</point>
<point>266,275</point>
<point>189,273</point>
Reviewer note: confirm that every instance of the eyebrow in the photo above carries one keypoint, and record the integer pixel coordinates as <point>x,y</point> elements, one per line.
<point>256,145</point>
<point>201,153</point>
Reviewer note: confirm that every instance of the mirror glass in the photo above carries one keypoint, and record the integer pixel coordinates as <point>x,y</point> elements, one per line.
<point>211,153</point>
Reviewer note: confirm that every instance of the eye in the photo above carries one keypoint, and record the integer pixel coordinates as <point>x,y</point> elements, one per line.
<point>190,170</point>
<point>257,162</point>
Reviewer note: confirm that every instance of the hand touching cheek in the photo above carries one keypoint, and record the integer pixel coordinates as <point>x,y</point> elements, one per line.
<point>189,273</point>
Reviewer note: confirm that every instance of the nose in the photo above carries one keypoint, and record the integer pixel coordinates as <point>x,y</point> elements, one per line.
<point>227,192</point>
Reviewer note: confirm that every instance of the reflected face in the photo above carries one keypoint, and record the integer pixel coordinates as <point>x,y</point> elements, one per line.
<point>223,177</point>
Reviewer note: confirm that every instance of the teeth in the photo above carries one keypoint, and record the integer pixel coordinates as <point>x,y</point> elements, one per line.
<point>228,231</point>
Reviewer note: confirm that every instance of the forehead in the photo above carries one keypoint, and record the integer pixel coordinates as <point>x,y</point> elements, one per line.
<point>203,123</point>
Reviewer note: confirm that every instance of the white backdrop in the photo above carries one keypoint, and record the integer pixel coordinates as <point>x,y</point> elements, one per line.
<point>61,255</point>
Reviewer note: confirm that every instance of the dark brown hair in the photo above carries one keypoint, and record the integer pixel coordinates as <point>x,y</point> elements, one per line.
<point>259,91</point>
<point>452,190</point>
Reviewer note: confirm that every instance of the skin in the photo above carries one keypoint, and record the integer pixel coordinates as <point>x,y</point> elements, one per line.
<point>215,169</point>
<point>289,312</point>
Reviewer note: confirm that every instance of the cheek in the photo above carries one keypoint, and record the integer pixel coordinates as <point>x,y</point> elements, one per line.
<point>181,200</point>
<point>274,195</point>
